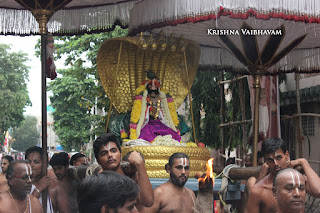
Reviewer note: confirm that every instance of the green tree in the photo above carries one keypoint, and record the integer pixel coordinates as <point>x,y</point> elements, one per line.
<point>13,88</point>
<point>26,135</point>
<point>71,121</point>
<point>77,89</point>
<point>206,99</point>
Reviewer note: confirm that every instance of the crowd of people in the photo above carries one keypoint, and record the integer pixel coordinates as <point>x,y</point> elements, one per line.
<point>24,184</point>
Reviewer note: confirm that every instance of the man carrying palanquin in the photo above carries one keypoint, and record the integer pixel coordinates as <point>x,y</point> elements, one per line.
<point>275,150</point>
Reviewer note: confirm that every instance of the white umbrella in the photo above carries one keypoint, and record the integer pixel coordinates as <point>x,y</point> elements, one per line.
<point>211,23</point>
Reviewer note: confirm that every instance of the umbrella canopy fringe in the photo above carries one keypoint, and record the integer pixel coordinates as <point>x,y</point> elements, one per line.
<point>76,21</point>
<point>173,12</point>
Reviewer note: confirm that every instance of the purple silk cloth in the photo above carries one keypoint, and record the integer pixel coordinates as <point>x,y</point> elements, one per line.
<point>154,128</point>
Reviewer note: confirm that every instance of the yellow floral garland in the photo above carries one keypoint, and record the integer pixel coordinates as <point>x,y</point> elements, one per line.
<point>123,135</point>
<point>133,134</point>
<point>136,112</point>
<point>173,113</point>
<point>140,89</point>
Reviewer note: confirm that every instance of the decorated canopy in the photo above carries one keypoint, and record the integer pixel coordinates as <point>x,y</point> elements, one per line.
<point>196,20</point>
<point>75,17</point>
<point>220,28</point>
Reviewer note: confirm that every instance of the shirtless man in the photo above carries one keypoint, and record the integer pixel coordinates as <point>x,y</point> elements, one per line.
<point>40,183</point>
<point>17,199</point>
<point>60,165</point>
<point>276,155</point>
<point>4,166</point>
<point>289,189</point>
<point>172,196</point>
<point>107,151</point>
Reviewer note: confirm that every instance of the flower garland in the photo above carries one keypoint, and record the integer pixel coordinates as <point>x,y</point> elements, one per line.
<point>139,108</point>
<point>140,89</point>
<point>123,134</point>
<point>135,114</point>
<point>166,110</point>
<point>142,112</point>
<point>172,109</point>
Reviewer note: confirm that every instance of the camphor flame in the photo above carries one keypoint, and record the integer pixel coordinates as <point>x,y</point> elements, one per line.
<point>209,172</point>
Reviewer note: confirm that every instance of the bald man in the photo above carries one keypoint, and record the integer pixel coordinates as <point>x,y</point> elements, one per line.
<point>290,191</point>
<point>276,155</point>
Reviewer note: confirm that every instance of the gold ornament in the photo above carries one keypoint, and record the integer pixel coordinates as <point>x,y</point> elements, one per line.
<point>156,157</point>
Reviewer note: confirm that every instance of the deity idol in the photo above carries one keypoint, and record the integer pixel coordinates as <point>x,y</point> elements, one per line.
<point>154,112</point>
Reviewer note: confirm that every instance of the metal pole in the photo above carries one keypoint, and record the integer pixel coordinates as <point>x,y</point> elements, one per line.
<point>43,16</point>
<point>91,132</point>
<point>222,112</point>
<point>190,98</point>
<point>44,114</point>
<point>299,122</point>
<point>243,151</point>
<point>256,86</point>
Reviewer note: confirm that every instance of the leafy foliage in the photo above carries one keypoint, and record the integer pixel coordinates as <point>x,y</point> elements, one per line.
<point>72,122</point>
<point>26,135</point>
<point>206,98</point>
<point>13,88</point>
<point>78,89</point>
<point>207,109</point>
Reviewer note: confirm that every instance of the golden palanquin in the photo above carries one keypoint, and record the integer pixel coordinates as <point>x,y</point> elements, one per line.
<point>156,157</point>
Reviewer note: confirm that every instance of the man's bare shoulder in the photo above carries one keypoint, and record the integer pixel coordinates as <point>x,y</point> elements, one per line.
<point>261,190</point>
<point>54,185</point>
<point>5,202</point>
<point>264,182</point>
<point>35,200</point>
<point>161,189</point>
<point>189,191</point>
<point>35,205</point>
<point>260,186</point>
<point>3,196</point>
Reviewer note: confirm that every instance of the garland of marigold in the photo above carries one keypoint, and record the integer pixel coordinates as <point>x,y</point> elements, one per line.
<point>173,113</point>
<point>137,115</point>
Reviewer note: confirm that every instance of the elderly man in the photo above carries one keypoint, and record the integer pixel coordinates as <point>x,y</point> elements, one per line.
<point>173,196</point>
<point>107,151</point>
<point>18,198</point>
<point>108,192</point>
<point>289,189</point>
